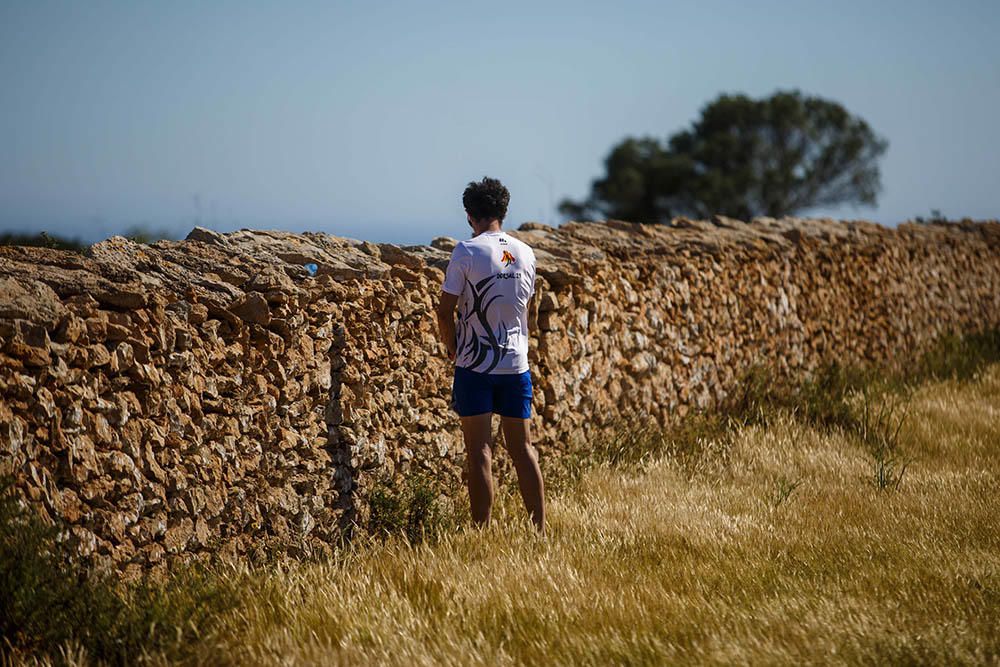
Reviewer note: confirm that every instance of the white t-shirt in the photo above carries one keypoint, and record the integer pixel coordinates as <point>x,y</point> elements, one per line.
<point>493,275</point>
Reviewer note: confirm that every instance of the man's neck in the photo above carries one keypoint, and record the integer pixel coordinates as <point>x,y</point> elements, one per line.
<point>492,226</point>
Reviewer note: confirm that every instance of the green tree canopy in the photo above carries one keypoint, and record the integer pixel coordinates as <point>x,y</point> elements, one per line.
<point>744,157</point>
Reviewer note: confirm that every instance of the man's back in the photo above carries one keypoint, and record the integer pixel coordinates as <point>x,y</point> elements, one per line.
<point>493,274</point>
<point>490,280</point>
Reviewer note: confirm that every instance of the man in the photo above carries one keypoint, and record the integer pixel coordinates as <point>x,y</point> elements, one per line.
<point>491,278</point>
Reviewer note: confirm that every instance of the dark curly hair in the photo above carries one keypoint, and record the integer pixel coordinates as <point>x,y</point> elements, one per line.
<point>486,199</point>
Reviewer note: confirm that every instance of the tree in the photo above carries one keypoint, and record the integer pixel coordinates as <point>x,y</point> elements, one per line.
<point>743,158</point>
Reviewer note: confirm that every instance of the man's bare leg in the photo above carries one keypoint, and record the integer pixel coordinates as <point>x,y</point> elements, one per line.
<point>517,436</point>
<point>478,443</point>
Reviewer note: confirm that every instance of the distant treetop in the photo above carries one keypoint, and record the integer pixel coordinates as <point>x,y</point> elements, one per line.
<point>742,158</point>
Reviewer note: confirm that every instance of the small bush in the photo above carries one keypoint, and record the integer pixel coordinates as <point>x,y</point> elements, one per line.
<point>627,442</point>
<point>820,400</point>
<point>563,470</point>
<point>701,442</point>
<point>823,399</point>
<point>753,399</point>
<point>630,443</point>
<point>784,488</point>
<point>956,357</point>
<point>412,507</point>
<point>50,601</point>
<point>880,418</point>
<point>628,447</point>
<point>44,601</point>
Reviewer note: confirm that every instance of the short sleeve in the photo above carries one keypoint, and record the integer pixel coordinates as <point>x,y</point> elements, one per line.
<point>458,268</point>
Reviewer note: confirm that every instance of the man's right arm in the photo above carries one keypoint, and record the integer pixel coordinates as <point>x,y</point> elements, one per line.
<point>454,280</point>
<point>446,322</point>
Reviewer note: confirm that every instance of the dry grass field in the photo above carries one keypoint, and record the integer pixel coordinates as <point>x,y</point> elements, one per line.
<point>780,542</point>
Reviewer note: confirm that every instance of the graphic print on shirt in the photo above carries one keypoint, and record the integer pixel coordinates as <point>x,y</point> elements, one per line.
<point>494,277</point>
<point>481,346</point>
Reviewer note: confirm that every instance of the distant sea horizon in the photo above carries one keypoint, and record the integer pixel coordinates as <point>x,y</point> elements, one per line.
<point>417,233</point>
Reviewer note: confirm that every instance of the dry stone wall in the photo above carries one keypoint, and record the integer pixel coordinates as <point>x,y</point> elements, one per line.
<point>213,395</point>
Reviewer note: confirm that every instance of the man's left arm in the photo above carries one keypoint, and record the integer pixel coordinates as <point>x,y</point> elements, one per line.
<point>532,302</point>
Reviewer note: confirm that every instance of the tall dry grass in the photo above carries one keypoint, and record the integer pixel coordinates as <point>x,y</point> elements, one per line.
<point>786,549</point>
<point>775,543</point>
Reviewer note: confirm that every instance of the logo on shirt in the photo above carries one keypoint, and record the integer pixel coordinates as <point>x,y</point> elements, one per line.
<point>507,258</point>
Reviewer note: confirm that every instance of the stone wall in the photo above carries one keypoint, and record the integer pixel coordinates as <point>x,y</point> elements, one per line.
<point>213,395</point>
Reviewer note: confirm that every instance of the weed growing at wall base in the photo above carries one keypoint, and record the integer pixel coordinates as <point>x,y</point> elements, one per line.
<point>49,600</point>
<point>413,507</point>
<point>955,356</point>
<point>879,421</point>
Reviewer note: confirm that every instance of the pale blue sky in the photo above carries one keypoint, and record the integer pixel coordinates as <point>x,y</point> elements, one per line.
<point>368,119</point>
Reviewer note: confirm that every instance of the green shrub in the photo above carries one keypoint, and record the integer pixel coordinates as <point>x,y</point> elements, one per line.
<point>880,417</point>
<point>784,488</point>
<point>49,600</point>
<point>958,357</point>
<point>44,601</point>
<point>413,507</point>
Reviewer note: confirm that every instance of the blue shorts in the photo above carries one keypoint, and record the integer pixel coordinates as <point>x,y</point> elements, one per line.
<point>478,393</point>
